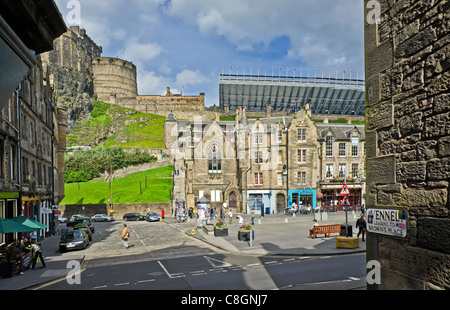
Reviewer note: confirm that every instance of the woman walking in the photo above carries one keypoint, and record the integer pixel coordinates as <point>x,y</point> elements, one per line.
<point>125,235</point>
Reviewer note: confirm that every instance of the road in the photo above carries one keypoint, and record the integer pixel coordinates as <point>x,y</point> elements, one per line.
<point>162,257</point>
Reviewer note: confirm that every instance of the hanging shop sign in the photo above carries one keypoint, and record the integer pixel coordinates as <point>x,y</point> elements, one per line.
<point>391,222</point>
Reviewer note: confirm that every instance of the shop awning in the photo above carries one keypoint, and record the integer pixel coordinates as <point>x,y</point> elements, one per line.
<point>28,222</point>
<point>9,226</point>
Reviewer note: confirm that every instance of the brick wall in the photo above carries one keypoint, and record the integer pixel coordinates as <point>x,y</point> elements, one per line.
<point>408,139</point>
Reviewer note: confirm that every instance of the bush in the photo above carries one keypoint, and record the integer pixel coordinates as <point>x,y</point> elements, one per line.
<point>84,165</point>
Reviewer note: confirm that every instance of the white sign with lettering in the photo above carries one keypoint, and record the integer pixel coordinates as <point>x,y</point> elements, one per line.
<point>390,222</point>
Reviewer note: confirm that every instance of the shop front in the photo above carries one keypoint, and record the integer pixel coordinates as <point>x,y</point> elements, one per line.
<point>302,199</point>
<point>331,197</point>
<point>260,201</point>
<point>9,208</point>
<point>31,208</point>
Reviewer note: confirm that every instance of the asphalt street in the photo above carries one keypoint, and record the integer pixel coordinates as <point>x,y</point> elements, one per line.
<point>168,255</point>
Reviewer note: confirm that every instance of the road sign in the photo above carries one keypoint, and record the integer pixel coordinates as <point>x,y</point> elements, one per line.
<point>345,202</point>
<point>344,191</point>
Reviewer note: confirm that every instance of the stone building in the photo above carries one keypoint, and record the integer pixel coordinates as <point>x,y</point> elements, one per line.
<point>252,163</point>
<point>31,126</point>
<point>408,138</point>
<point>32,152</point>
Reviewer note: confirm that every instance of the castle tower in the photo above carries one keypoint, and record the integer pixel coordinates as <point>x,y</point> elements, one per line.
<point>114,78</point>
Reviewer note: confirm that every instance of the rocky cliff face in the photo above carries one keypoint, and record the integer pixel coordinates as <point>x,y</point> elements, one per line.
<point>74,91</point>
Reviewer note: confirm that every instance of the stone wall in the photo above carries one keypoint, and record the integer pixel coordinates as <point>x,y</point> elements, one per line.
<point>119,209</point>
<point>183,107</point>
<point>408,139</point>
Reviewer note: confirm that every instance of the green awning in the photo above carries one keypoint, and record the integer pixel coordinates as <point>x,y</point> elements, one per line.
<point>28,222</point>
<point>8,226</point>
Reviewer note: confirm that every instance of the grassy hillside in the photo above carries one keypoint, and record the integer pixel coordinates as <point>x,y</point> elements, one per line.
<point>125,190</point>
<point>112,125</point>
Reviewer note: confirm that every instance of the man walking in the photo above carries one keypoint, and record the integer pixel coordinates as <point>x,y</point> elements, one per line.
<point>361,224</point>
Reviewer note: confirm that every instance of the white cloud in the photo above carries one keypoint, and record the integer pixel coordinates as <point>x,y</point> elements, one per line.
<point>139,53</point>
<point>320,31</point>
<point>152,84</point>
<point>190,78</point>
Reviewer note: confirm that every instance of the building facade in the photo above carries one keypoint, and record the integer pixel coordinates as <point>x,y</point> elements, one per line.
<point>32,145</point>
<point>267,164</point>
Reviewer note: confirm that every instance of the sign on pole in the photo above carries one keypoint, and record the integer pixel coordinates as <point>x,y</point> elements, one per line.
<point>345,202</point>
<point>344,191</point>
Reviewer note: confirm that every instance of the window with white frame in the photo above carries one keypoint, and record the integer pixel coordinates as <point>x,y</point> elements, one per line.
<point>329,146</point>
<point>259,178</point>
<point>342,149</point>
<point>280,136</point>
<point>329,171</point>
<point>257,138</point>
<point>355,142</point>
<point>355,168</point>
<point>301,135</point>
<point>301,156</point>
<point>301,177</point>
<point>258,157</point>
<point>279,178</point>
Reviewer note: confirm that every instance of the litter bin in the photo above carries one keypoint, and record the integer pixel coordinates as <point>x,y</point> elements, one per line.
<point>349,230</point>
<point>268,210</point>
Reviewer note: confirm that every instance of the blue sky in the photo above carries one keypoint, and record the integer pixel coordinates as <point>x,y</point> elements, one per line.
<point>187,44</point>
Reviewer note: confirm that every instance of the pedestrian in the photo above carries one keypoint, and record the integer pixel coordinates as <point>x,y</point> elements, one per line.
<point>125,235</point>
<point>361,224</point>
<point>240,222</point>
<point>230,216</point>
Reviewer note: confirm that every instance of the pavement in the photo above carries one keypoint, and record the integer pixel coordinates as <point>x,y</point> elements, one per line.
<point>275,234</point>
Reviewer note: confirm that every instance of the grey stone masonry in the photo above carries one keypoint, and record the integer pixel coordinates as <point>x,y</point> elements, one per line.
<point>408,138</point>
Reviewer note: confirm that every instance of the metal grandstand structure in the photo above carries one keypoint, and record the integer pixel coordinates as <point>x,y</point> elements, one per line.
<point>291,93</point>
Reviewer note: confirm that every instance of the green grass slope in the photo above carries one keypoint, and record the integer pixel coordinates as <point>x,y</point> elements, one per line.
<point>112,125</point>
<point>131,189</point>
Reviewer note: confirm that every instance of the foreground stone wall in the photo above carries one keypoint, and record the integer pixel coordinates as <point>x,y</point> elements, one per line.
<point>408,139</point>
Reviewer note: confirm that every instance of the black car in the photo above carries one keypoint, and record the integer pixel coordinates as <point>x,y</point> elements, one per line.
<point>133,217</point>
<point>74,240</point>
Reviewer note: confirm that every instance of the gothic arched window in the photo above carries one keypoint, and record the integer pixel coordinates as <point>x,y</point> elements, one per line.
<point>214,160</point>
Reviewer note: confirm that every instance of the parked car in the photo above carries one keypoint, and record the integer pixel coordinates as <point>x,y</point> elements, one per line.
<point>102,218</point>
<point>74,240</point>
<point>62,219</point>
<point>152,217</point>
<point>85,228</point>
<point>86,220</point>
<point>73,220</point>
<point>133,217</point>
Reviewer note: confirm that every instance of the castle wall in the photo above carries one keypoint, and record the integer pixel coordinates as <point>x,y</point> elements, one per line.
<point>183,107</point>
<point>73,50</point>
<point>114,78</point>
